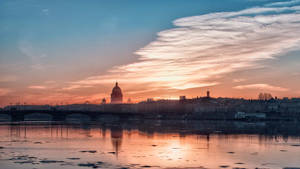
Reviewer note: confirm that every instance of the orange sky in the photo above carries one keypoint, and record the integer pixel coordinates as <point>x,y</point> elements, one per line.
<point>233,54</point>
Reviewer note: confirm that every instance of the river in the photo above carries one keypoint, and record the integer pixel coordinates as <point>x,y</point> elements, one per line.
<point>149,144</point>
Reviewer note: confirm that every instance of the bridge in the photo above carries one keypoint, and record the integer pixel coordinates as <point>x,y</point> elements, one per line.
<point>61,115</point>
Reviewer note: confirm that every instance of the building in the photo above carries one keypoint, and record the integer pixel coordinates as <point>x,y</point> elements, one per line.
<point>208,94</point>
<point>116,95</point>
<point>182,98</point>
<point>149,100</point>
<point>103,101</point>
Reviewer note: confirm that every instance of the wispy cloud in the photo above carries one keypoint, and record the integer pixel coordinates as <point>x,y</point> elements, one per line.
<point>4,91</point>
<point>292,2</point>
<point>27,49</point>
<point>8,78</point>
<point>37,87</point>
<point>34,54</point>
<point>76,86</point>
<point>45,11</point>
<point>201,49</point>
<point>49,84</point>
<point>262,87</point>
<point>238,80</point>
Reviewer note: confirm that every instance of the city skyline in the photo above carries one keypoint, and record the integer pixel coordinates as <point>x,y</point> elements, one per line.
<point>233,48</point>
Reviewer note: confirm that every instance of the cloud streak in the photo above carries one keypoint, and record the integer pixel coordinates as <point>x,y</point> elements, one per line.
<point>4,91</point>
<point>34,54</point>
<point>39,87</point>
<point>8,78</point>
<point>202,49</point>
<point>292,2</point>
<point>262,87</point>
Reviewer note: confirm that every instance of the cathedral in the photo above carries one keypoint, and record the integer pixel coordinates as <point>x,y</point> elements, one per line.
<point>116,95</point>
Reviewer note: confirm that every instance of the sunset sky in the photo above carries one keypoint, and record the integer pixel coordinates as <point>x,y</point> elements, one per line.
<point>72,51</point>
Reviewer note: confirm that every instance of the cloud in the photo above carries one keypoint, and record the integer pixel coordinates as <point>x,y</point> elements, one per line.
<point>285,3</point>
<point>238,80</point>
<point>4,91</point>
<point>258,0</point>
<point>27,49</point>
<point>45,11</point>
<point>49,84</point>
<point>35,55</point>
<point>37,87</point>
<point>8,78</point>
<point>201,49</point>
<point>76,86</point>
<point>261,87</point>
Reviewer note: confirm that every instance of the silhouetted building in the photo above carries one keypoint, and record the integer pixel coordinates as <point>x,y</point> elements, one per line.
<point>150,100</point>
<point>116,94</point>
<point>103,101</point>
<point>208,94</point>
<point>182,98</point>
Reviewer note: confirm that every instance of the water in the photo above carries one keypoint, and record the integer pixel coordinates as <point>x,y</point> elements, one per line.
<point>148,144</point>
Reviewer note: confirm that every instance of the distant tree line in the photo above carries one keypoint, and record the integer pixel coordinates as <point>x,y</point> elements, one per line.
<point>265,96</point>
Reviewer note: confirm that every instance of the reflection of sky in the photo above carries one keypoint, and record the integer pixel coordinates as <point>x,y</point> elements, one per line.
<point>136,147</point>
<point>73,51</point>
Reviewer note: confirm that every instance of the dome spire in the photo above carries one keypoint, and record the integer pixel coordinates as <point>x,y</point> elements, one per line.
<point>116,94</point>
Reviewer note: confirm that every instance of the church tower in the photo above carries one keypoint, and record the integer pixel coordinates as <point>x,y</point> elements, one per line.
<point>116,95</point>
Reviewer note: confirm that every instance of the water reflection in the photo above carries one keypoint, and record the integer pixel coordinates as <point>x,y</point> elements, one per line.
<point>147,144</point>
<point>116,135</point>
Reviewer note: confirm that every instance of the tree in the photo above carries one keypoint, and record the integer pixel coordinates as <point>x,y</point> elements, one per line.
<point>265,96</point>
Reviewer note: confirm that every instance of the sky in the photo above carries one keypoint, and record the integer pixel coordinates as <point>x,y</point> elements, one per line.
<point>73,51</point>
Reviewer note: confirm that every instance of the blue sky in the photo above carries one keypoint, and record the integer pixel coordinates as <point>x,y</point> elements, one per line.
<point>52,44</point>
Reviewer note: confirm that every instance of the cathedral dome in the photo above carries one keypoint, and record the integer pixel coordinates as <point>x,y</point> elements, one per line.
<point>116,94</point>
<point>116,90</point>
